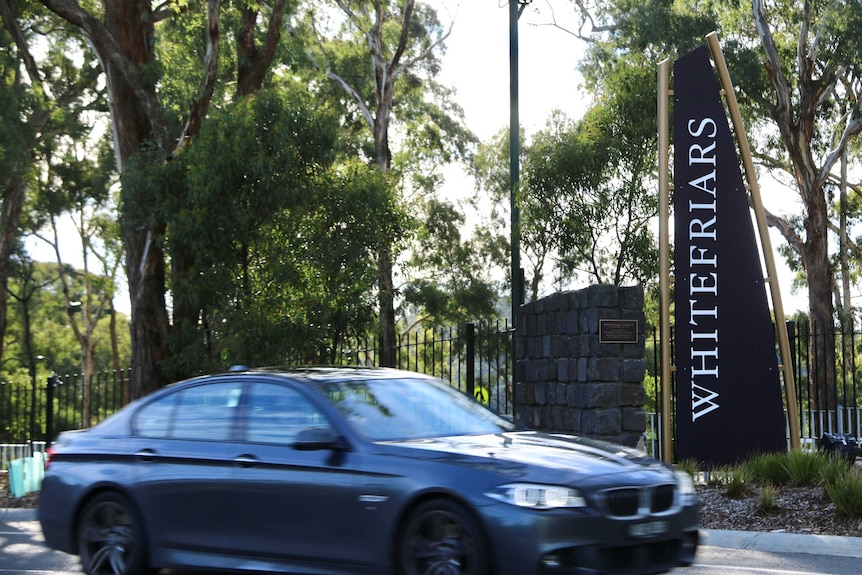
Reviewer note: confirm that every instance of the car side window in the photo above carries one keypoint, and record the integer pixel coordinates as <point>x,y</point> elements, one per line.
<point>200,412</point>
<point>276,414</point>
<point>154,419</point>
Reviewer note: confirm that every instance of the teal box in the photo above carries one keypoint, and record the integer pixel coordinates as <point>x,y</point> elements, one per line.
<point>16,478</point>
<point>25,475</point>
<point>34,470</point>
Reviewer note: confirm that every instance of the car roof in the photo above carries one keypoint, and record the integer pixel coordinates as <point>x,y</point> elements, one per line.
<point>328,373</point>
<point>296,374</point>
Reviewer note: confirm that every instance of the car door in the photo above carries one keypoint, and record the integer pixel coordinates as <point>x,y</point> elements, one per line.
<point>181,442</point>
<point>294,505</point>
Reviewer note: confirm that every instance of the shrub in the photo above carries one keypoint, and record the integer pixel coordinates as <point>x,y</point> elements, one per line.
<point>719,476</point>
<point>736,484</point>
<point>766,498</point>
<point>804,469</point>
<point>833,469</point>
<point>846,493</point>
<point>690,466</point>
<point>768,468</point>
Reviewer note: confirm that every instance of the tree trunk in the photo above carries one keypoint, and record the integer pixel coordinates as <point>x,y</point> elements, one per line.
<point>130,23</point>
<point>386,299</point>
<point>819,272</point>
<point>14,193</point>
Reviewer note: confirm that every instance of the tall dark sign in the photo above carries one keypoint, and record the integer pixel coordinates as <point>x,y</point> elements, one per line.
<point>728,396</point>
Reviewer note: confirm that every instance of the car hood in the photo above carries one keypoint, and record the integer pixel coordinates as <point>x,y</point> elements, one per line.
<point>568,458</point>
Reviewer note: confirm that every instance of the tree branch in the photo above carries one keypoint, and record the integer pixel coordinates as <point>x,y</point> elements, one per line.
<point>109,52</point>
<point>783,110</point>
<point>199,108</point>
<point>786,230</point>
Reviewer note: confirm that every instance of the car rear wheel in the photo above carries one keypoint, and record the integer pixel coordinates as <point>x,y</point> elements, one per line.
<point>440,537</point>
<point>110,537</point>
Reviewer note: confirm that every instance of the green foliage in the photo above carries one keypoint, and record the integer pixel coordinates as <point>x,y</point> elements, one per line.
<point>768,468</point>
<point>609,159</point>
<point>51,334</point>
<point>272,242</point>
<point>766,498</point>
<point>690,466</point>
<point>717,477</point>
<point>833,469</point>
<point>736,482</point>
<point>734,478</point>
<point>450,281</point>
<point>845,491</point>
<point>804,468</point>
<point>586,192</point>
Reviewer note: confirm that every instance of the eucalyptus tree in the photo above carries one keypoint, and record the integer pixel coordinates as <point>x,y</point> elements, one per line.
<point>48,96</point>
<point>590,182</point>
<point>281,234</point>
<point>76,185</point>
<point>127,37</point>
<point>383,55</point>
<point>452,281</point>
<point>586,191</point>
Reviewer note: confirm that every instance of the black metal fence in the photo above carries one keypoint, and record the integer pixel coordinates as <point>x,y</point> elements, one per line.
<point>24,411</point>
<point>828,376</point>
<point>828,391</point>
<point>474,358</point>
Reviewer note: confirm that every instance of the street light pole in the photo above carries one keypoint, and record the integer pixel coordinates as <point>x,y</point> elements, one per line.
<point>516,8</point>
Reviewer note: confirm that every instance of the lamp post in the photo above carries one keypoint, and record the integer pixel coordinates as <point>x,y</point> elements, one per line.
<point>516,8</point>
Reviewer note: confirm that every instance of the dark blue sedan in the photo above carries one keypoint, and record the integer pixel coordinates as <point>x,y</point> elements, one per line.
<point>354,470</point>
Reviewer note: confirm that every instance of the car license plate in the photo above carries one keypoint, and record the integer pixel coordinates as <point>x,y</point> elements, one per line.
<point>650,529</point>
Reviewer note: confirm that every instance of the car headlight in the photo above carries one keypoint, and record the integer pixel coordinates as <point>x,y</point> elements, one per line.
<point>685,485</point>
<point>535,496</point>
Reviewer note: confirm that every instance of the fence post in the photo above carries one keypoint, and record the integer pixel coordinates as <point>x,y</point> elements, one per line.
<point>471,359</point>
<point>49,408</point>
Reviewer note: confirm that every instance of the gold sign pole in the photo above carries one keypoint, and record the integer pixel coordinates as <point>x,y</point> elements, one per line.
<point>664,257</point>
<point>766,244</point>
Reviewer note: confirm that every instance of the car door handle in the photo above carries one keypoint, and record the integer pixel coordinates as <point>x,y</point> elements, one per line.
<point>246,460</point>
<point>146,454</point>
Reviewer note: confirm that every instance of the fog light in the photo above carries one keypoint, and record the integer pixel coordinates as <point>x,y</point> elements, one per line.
<point>561,561</point>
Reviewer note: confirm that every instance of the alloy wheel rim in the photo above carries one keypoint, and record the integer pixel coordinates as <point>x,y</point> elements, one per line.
<point>108,537</point>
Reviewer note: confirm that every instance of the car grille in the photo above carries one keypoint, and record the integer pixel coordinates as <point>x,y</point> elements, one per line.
<point>634,501</point>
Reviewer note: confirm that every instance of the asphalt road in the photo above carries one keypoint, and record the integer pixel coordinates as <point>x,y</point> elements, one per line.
<point>22,552</point>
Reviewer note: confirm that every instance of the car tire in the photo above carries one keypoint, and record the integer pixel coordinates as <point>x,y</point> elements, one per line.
<point>110,537</point>
<point>441,537</point>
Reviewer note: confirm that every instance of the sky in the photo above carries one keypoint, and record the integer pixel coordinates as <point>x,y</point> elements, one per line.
<point>476,64</point>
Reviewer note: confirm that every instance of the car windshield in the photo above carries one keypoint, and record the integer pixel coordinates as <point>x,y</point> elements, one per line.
<point>397,409</point>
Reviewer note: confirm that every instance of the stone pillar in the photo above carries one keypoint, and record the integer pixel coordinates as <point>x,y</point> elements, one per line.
<point>572,376</point>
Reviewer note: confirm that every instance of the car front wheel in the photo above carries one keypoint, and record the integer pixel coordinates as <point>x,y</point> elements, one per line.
<point>440,537</point>
<point>110,537</point>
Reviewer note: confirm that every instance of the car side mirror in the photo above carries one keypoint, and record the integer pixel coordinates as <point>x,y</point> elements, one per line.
<point>316,438</point>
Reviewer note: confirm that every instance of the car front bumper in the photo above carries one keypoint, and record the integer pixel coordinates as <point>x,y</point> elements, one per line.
<point>581,542</point>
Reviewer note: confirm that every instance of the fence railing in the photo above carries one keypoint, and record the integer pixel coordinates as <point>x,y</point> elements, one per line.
<point>474,358</point>
<point>57,404</point>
